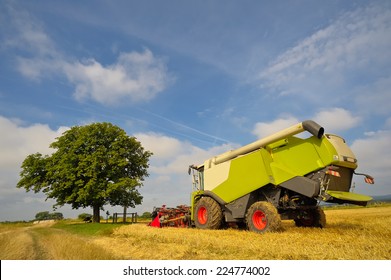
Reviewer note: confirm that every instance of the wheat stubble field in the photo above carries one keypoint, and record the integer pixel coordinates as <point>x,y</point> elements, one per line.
<point>351,234</point>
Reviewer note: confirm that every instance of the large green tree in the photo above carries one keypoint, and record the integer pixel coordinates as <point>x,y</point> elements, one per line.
<point>92,166</point>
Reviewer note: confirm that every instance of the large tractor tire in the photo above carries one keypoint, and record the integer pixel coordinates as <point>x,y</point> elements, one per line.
<point>208,214</point>
<point>263,217</point>
<point>313,217</point>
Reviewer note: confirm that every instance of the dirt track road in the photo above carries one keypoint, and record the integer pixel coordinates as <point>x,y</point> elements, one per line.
<point>24,243</point>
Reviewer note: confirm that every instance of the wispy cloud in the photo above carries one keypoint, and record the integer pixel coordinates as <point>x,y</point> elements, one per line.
<point>23,32</point>
<point>320,67</point>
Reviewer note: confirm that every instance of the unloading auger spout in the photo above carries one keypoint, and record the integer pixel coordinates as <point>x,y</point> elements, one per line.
<point>308,125</point>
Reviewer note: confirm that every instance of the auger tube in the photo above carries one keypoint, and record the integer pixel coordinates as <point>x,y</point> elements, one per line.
<point>308,125</point>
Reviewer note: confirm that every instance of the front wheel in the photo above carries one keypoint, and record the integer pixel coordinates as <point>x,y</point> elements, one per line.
<point>208,214</point>
<point>263,217</point>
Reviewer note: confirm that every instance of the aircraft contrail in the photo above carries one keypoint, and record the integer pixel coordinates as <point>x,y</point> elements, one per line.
<point>121,116</point>
<point>185,126</point>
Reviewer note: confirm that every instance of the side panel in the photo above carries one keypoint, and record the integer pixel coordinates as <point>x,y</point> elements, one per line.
<point>246,174</point>
<point>297,157</point>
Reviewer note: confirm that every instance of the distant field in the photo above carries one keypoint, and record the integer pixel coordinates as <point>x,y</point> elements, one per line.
<point>357,233</point>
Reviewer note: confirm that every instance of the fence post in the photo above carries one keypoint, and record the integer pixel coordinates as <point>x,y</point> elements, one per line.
<point>124,219</point>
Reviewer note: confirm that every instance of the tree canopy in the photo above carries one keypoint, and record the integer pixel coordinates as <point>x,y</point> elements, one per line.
<point>45,215</point>
<point>93,165</point>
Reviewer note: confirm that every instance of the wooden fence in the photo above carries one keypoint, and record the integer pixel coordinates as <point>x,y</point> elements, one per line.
<point>133,217</point>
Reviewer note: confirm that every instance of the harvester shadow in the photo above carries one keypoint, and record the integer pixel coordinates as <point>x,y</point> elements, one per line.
<point>340,226</point>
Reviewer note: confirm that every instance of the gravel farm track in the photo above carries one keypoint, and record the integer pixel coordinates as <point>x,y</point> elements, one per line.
<point>350,234</point>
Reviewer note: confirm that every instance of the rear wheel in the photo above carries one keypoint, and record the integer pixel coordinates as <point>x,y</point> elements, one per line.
<point>313,217</point>
<point>208,214</point>
<point>263,217</point>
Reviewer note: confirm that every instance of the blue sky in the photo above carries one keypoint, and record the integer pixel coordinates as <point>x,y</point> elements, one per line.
<point>191,79</point>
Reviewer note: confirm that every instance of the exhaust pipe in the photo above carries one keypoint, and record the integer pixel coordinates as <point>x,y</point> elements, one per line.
<point>308,125</point>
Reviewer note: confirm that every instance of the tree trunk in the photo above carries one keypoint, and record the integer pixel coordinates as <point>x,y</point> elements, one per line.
<point>96,213</point>
<point>124,220</point>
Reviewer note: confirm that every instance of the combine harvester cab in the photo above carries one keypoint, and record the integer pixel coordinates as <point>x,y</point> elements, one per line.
<point>278,177</point>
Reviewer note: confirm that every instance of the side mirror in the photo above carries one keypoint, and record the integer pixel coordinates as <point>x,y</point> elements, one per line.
<point>368,178</point>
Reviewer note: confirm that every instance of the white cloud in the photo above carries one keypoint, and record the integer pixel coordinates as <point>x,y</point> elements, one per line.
<point>374,157</point>
<point>134,77</point>
<point>263,129</point>
<point>163,147</point>
<point>336,119</point>
<point>16,142</point>
<point>171,156</point>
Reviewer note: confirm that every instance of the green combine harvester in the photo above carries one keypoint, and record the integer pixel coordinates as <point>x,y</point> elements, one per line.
<point>277,177</point>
